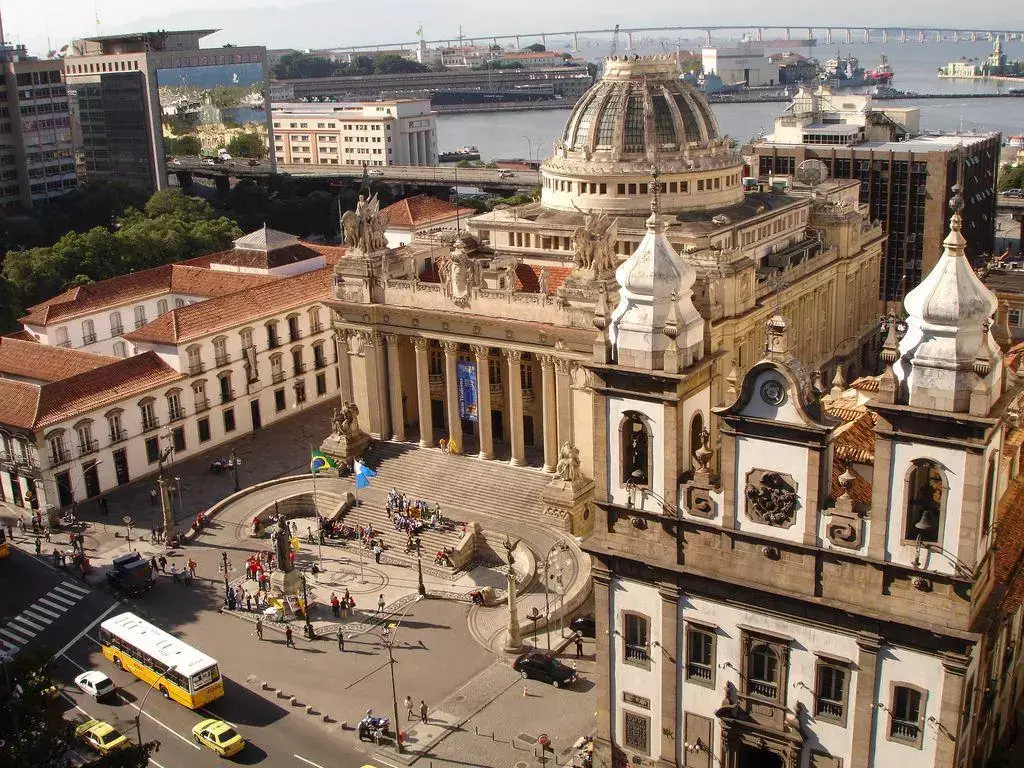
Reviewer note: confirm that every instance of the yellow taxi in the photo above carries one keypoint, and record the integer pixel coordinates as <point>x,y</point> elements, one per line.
<point>218,736</point>
<point>101,736</point>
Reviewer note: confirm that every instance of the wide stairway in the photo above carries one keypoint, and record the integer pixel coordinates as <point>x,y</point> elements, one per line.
<point>468,489</point>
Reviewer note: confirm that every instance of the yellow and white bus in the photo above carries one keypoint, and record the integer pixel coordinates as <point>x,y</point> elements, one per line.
<point>178,670</point>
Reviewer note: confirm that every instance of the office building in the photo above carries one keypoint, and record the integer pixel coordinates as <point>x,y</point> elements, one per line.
<point>397,132</point>
<point>906,176</point>
<point>747,65</point>
<point>130,91</point>
<point>36,150</point>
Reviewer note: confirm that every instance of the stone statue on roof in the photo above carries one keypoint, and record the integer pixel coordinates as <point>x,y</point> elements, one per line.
<point>363,228</point>
<point>594,243</point>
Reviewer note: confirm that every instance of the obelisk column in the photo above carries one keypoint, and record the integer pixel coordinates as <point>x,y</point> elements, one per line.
<point>394,381</point>
<point>550,422</point>
<point>423,392</point>
<point>483,399</point>
<point>515,405</point>
<point>451,385</point>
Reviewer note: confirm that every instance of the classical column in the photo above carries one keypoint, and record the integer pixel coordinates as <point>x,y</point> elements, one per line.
<point>515,405</point>
<point>605,653</point>
<point>380,358</point>
<point>344,364</point>
<point>395,384</point>
<point>671,713</point>
<point>423,391</point>
<point>954,668</point>
<point>547,369</point>
<point>483,400</point>
<point>563,395</point>
<point>451,385</point>
<point>864,709</point>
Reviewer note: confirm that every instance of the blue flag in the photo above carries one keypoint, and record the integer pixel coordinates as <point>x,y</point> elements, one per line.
<point>363,474</point>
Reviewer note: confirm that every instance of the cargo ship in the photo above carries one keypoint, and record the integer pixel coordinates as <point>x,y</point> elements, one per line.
<point>462,153</point>
<point>881,75</point>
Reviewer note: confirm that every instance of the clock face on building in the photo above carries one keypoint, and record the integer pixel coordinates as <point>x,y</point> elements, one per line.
<point>773,393</point>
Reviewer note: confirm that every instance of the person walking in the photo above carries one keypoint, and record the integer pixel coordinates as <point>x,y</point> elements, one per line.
<point>39,547</point>
<point>191,568</point>
<point>288,641</point>
<point>259,627</point>
<point>103,505</point>
<point>163,563</point>
<point>10,531</point>
<point>335,605</point>
<point>380,604</point>
<point>174,571</point>
<point>248,602</point>
<point>408,706</point>
<point>579,646</point>
<point>423,711</point>
<point>341,641</point>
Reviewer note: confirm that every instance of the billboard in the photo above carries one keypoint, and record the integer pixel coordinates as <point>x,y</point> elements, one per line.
<point>208,108</point>
<point>465,374</point>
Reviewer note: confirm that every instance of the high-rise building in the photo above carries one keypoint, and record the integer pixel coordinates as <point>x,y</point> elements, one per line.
<point>137,98</point>
<point>36,162</point>
<point>906,176</point>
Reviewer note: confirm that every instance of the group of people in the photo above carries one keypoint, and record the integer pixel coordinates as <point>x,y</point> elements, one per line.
<point>258,567</point>
<point>239,599</point>
<point>340,607</point>
<point>186,574</point>
<point>409,513</point>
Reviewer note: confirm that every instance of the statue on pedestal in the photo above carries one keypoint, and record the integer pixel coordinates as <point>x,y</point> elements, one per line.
<point>363,228</point>
<point>568,467</point>
<point>594,243</point>
<point>345,421</point>
<point>283,545</point>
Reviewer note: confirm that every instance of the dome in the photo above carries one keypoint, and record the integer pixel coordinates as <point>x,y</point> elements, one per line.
<point>640,115</point>
<point>612,115</point>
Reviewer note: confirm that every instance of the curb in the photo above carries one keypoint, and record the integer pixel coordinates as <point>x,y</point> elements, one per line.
<point>293,700</point>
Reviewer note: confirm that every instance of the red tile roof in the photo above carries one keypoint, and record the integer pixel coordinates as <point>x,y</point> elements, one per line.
<point>1008,554</point>
<point>188,278</point>
<point>42,362</point>
<point>421,211</point>
<point>18,403</point>
<point>860,489</point>
<point>866,384</point>
<point>528,277</point>
<point>21,335</point>
<point>203,318</point>
<point>104,386</point>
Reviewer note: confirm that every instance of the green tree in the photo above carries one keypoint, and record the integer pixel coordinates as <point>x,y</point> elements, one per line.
<point>535,48</point>
<point>296,65</point>
<point>177,203</point>
<point>396,65</point>
<point>248,144</point>
<point>1011,177</point>
<point>182,145</point>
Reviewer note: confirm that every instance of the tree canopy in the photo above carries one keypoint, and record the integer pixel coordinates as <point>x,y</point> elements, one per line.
<point>535,48</point>
<point>1011,177</point>
<point>247,144</point>
<point>299,65</point>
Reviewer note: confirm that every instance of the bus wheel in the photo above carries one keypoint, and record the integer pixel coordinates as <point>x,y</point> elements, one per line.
<point>117,662</point>
<point>164,693</point>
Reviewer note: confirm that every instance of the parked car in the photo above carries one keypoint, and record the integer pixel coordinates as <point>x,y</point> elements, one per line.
<point>101,736</point>
<point>544,667</point>
<point>505,174</point>
<point>218,736</point>
<point>1014,193</point>
<point>254,163</point>
<point>584,626</point>
<point>209,161</point>
<point>375,172</point>
<point>96,684</point>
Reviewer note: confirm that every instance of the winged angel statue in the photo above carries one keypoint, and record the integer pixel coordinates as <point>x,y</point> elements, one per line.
<point>364,227</point>
<point>594,243</point>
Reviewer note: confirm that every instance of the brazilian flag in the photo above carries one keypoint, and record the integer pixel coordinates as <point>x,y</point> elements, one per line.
<point>320,462</point>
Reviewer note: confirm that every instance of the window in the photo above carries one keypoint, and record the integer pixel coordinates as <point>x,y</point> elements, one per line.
<point>830,692</point>
<point>272,338</point>
<point>906,715</point>
<point>227,394</point>
<point>116,326</point>
<point>85,442</point>
<point>696,432</point>
<point>88,332</point>
<point>178,438</point>
<point>635,449</point>
<point>229,419</point>
<point>203,427</point>
<point>1015,317</point>
<point>636,732</point>
<point>174,409</point>
<point>161,307</point>
<point>636,636</point>
<point>926,490</point>
<point>149,419</point>
<point>120,350</point>
<point>61,335</point>
<point>246,336</point>
<point>765,663</point>
<point>321,384</point>
<point>179,303</point>
<point>199,396</point>
<point>152,450</point>
<point>298,366</point>
<point>989,499</point>
<point>58,449</point>
<point>114,425</point>
<point>700,655</point>
<point>195,363</point>
<point>315,325</point>
<point>300,391</point>
<point>319,358</point>
<point>276,368</point>
<point>294,333</point>
<point>140,316</point>
<point>279,400</point>
<point>220,351</point>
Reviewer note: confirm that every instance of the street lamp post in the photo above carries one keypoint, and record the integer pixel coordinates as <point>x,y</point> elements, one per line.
<point>128,525</point>
<point>224,557</point>
<point>305,607</point>
<point>235,461</point>
<point>420,588</point>
<point>138,715</point>
<point>529,143</point>
<point>535,615</point>
<point>389,644</point>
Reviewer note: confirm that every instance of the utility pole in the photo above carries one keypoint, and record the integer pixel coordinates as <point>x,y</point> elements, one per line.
<point>420,588</point>
<point>224,557</point>
<point>163,484</point>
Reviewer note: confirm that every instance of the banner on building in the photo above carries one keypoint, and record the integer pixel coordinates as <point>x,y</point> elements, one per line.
<point>465,374</point>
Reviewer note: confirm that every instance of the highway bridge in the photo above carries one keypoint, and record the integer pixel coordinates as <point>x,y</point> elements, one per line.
<point>445,175</point>
<point>831,33</point>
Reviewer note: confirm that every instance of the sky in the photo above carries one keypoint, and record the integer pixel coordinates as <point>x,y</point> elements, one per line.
<point>318,24</point>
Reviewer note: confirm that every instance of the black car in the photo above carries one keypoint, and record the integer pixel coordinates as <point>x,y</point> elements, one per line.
<point>584,626</point>
<point>546,668</point>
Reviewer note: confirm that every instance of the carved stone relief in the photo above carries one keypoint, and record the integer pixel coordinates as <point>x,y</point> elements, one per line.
<point>771,498</point>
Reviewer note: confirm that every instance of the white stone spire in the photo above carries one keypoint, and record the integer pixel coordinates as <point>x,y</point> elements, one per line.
<point>656,289</point>
<point>948,318</point>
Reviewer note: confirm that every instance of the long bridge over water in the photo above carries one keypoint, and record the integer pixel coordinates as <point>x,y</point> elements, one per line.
<point>831,33</point>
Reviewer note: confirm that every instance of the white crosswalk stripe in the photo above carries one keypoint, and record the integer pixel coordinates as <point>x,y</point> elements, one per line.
<point>46,610</point>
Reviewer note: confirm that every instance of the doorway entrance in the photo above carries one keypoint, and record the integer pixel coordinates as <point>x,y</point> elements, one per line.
<point>254,411</point>
<point>121,467</point>
<point>64,497</point>
<point>92,480</point>
<point>752,757</point>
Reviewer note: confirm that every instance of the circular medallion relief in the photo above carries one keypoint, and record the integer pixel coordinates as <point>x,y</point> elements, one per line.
<point>773,393</point>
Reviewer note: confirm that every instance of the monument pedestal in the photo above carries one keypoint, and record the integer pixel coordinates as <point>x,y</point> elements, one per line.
<point>282,583</point>
<point>569,502</point>
<point>345,449</point>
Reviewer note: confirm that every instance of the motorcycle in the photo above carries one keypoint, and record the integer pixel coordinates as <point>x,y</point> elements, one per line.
<point>373,728</point>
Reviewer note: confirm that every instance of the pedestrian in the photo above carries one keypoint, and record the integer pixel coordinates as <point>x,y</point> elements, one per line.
<point>335,603</point>
<point>376,552</point>
<point>341,641</point>
<point>248,603</point>
<point>174,571</point>
<point>152,496</point>
<point>163,563</point>
<point>423,711</point>
<point>21,525</point>
<point>408,706</point>
<point>259,627</point>
<point>579,646</point>
<point>192,568</point>
<point>380,604</point>
<point>103,505</point>
<point>46,533</point>
<point>154,564</point>
<point>10,531</point>
<point>39,547</point>
<point>288,641</point>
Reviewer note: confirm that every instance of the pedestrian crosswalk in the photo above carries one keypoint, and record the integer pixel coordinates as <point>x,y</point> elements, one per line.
<point>19,631</point>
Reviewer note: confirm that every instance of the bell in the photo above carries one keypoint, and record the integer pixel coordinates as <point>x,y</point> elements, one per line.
<point>925,522</point>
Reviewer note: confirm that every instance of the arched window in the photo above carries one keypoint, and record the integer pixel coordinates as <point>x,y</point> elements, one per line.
<point>315,325</point>
<point>140,316</point>
<point>116,326</point>
<point>88,332</point>
<point>926,492</point>
<point>763,671</point>
<point>161,306</point>
<point>696,432</point>
<point>635,449</point>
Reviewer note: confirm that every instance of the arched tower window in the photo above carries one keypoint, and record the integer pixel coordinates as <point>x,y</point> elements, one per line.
<point>926,493</point>
<point>696,432</point>
<point>635,449</point>
<point>990,493</point>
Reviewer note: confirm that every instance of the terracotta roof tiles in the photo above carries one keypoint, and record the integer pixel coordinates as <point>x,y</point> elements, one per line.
<point>18,403</point>
<point>860,489</point>
<point>422,211</point>
<point>866,384</point>
<point>45,363</point>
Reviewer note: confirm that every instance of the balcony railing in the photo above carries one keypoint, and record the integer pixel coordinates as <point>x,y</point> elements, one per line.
<point>202,404</point>
<point>277,376</point>
<point>66,344</point>
<point>762,688</point>
<point>89,338</point>
<point>273,342</point>
<point>830,708</point>
<point>220,360</point>
<point>150,423</point>
<point>85,447</point>
<point>319,363</point>
<point>903,729</point>
<point>298,368</point>
<point>140,323</point>
<point>117,435</point>
<point>497,388</point>
<point>196,367</point>
<point>316,327</point>
<point>116,330</point>
<point>176,414</point>
<point>636,652</point>
<point>59,457</point>
<point>227,395</point>
<point>294,335</point>
<point>698,671</point>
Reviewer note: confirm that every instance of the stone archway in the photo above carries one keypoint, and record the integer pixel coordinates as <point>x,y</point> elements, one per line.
<point>748,756</point>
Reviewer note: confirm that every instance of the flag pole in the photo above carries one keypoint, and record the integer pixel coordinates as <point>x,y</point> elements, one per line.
<point>359,517</point>
<point>316,511</point>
